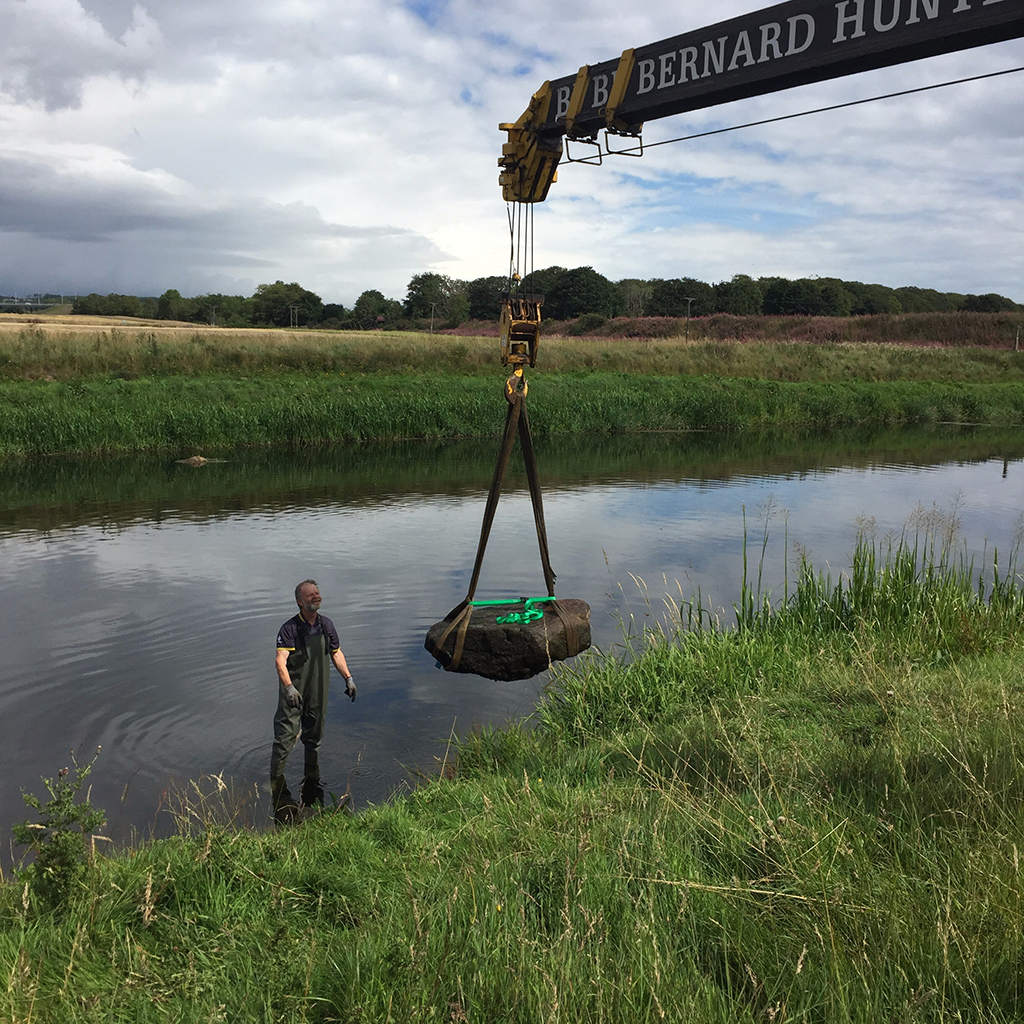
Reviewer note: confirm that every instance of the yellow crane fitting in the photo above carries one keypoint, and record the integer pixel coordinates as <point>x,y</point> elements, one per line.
<point>519,331</point>
<point>529,161</point>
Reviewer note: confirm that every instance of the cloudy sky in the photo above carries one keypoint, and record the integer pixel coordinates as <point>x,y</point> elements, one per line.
<point>349,144</point>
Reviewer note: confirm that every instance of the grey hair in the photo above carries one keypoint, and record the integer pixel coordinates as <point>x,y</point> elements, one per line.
<point>302,584</point>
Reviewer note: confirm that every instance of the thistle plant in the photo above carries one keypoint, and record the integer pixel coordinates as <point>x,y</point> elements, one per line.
<point>59,839</point>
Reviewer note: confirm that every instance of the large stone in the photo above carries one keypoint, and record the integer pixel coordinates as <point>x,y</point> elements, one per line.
<point>512,650</point>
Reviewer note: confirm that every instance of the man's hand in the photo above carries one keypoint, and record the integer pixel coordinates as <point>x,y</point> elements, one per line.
<point>291,696</point>
<point>350,688</point>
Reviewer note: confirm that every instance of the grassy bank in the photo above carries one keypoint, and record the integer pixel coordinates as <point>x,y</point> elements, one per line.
<point>817,816</point>
<point>65,352</point>
<point>185,414</point>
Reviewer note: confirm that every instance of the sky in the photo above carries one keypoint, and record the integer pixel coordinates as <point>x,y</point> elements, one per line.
<point>349,144</point>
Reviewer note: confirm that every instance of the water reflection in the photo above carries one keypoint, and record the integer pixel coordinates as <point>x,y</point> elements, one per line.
<point>141,598</point>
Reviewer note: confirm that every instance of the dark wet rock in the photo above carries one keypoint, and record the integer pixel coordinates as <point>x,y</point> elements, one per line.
<point>512,650</point>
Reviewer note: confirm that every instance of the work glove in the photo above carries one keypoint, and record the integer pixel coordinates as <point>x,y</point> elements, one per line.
<point>350,689</point>
<point>291,696</point>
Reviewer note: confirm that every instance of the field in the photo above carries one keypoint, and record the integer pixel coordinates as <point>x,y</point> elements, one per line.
<point>816,816</point>
<point>67,347</point>
<point>76,388</point>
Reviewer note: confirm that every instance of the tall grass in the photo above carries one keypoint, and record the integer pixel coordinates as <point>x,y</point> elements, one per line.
<point>916,600</point>
<point>176,413</point>
<point>805,818</point>
<point>64,353</point>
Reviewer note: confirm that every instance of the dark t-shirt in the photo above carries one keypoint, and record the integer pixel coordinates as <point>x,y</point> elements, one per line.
<point>288,636</point>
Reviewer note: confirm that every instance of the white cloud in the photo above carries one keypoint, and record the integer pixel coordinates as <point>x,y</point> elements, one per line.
<point>48,48</point>
<point>352,145</point>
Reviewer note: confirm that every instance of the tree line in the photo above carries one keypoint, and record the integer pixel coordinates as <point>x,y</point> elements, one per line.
<point>568,295</point>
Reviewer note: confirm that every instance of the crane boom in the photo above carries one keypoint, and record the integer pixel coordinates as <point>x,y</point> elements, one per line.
<point>789,44</point>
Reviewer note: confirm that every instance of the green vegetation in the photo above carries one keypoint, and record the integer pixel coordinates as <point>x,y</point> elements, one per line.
<point>179,413</point>
<point>814,816</point>
<point>58,839</point>
<point>63,353</point>
<point>172,390</point>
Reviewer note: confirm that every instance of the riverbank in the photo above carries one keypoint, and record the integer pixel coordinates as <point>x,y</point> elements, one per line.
<point>815,816</point>
<point>185,414</point>
<point>961,349</point>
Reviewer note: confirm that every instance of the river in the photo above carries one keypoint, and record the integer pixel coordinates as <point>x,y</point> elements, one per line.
<point>141,597</point>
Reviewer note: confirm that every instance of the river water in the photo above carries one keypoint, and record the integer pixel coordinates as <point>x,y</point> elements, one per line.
<point>141,597</point>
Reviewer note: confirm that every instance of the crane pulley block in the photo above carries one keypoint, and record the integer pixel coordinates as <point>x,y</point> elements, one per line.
<point>519,329</point>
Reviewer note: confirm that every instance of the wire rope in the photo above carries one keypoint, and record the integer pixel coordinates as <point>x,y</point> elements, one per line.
<point>515,218</point>
<point>521,243</point>
<point>511,243</point>
<point>816,110</point>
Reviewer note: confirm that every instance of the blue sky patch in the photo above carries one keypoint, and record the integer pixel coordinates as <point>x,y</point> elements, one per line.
<point>501,41</point>
<point>678,199</point>
<point>429,11</point>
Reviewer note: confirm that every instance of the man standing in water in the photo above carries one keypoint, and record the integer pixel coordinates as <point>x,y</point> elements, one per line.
<point>306,645</point>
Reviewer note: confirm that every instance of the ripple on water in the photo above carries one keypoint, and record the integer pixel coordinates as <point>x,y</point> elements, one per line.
<point>156,639</point>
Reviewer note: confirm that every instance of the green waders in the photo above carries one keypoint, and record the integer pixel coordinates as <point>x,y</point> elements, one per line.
<point>310,671</point>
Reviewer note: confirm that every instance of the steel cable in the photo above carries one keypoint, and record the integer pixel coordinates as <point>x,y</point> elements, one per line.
<point>805,113</point>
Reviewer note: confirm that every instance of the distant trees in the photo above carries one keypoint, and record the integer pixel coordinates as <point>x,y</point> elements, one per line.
<point>927,300</point>
<point>484,295</point>
<point>169,306</point>
<point>742,296</point>
<point>540,282</point>
<point>286,305</point>
<point>113,305</point>
<point>372,310</point>
<point>425,295</point>
<point>570,293</point>
<point>806,297</point>
<point>636,296</point>
<point>214,309</point>
<point>869,299</point>
<point>682,296</point>
<point>579,291</point>
<point>437,296</point>
<point>990,303</point>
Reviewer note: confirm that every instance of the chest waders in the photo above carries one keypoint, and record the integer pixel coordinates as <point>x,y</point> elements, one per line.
<point>309,668</point>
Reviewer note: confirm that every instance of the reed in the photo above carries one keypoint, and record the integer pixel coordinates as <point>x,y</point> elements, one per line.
<point>64,352</point>
<point>180,413</point>
<point>802,817</point>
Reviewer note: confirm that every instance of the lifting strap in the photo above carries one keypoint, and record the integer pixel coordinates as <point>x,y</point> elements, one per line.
<point>517,420</point>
